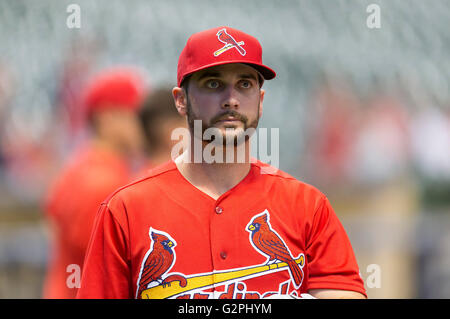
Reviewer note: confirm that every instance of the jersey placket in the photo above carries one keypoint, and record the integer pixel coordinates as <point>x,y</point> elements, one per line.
<point>222,229</point>
<point>223,217</point>
<point>225,230</point>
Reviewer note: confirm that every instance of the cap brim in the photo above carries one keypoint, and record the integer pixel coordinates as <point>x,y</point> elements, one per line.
<point>266,72</point>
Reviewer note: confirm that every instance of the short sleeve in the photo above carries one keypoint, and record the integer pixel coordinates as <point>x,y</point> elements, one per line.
<point>106,270</point>
<point>330,256</point>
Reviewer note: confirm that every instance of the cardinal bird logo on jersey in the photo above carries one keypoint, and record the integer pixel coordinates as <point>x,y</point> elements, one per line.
<point>270,244</point>
<point>158,260</point>
<point>229,42</point>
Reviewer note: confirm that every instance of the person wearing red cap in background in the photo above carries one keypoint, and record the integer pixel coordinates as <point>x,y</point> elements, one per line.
<point>219,229</point>
<point>111,101</point>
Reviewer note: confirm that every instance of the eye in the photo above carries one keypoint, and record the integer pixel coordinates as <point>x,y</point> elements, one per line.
<point>246,84</point>
<point>212,84</point>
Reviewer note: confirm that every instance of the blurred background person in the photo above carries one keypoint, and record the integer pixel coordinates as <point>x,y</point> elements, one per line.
<point>99,166</point>
<point>159,117</point>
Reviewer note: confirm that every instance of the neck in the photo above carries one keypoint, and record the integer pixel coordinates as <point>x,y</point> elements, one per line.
<point>106,145</point>
<point>215,177</point>
<point>159,156</point>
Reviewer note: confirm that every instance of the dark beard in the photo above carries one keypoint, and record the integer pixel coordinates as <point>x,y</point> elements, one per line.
<point>191,117</point>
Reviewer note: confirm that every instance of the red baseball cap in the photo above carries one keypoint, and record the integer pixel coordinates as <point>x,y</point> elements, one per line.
<point>115,87</point>
<point>219,46</point>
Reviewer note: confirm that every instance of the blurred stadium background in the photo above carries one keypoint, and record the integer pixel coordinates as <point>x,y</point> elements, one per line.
<point>364,115</point>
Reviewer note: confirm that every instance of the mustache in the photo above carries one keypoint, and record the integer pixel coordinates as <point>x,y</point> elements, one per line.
<point>225,115</point>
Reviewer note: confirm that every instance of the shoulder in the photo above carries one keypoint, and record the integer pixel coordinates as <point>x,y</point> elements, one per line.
<point>145,186</point>
<point>289,185</point>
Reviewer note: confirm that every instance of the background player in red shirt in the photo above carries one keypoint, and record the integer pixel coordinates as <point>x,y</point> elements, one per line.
<point>221,229</point>
<point>94,170</point>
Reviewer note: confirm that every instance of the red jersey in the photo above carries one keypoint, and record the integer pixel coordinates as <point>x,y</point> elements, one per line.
<point>161,237</point>
<point>70,207</point>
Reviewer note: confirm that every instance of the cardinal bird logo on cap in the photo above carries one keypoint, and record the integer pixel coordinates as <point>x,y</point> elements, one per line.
<point>229,42</point>
<point>267,242</point>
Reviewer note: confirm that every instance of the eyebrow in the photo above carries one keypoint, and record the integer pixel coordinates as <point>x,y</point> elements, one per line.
<point>248,76</point>
<point>209,74</point>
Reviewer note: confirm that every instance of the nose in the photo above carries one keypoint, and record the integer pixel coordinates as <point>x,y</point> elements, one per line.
<point>230,100</point>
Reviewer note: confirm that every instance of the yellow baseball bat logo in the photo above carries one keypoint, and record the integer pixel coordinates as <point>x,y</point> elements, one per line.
<point>227,47</point>
<point>207,280</point>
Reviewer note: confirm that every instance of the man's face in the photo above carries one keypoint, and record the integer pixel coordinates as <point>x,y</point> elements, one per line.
<point>227,98</point>
<point>121,126</point>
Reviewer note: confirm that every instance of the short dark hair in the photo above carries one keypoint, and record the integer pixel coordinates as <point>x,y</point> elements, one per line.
<point>185,83</point>
<point>157,107</point>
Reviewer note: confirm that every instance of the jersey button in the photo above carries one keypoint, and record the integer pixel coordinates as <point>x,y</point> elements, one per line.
<point>219,210</point>
<point>223,255</point>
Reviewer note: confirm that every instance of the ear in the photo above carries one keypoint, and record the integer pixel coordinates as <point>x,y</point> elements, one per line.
<point>261,99</point>
<point>180,98</point>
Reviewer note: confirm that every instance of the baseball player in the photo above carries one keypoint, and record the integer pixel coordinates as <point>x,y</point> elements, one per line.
<point>205,229</point>
<point>94,170</point>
